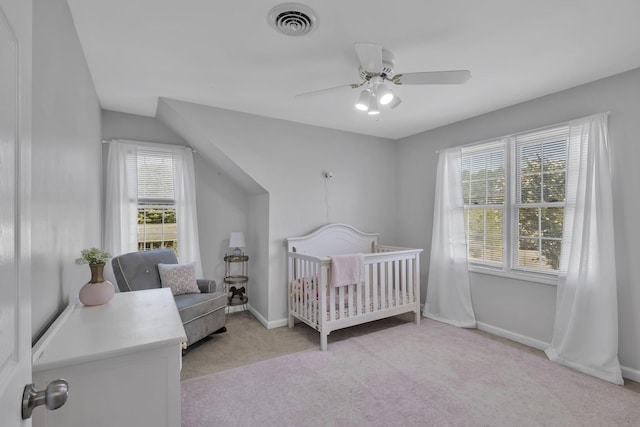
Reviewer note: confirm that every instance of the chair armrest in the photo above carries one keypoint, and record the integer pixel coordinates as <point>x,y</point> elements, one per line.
<point>207,286</point>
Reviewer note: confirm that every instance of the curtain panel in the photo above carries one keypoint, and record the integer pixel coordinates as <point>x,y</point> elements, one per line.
<point>448,291</point>
<point>585,334</point>
<point>121,202</point>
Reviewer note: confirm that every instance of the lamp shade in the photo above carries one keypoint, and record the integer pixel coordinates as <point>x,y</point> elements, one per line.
<point>363,100</point>
<point>236,239</point>
<point>384,94</point>
<point>395,102</point>
<point>373,105</point>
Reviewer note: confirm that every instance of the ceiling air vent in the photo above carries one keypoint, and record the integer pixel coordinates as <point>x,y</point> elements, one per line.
<point>292,19</point>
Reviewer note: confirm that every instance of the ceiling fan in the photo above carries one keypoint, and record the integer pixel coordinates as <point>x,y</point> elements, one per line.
<point>376,67</point>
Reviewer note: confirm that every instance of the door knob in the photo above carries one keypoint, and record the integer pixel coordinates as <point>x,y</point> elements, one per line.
<point>53,397</point>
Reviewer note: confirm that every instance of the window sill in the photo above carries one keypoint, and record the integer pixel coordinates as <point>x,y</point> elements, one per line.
<point>527,277</point>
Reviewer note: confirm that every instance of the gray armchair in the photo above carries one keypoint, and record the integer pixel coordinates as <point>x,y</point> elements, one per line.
<point>202,314</point>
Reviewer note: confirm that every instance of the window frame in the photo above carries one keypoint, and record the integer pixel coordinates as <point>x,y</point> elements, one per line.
<point>509,267</point>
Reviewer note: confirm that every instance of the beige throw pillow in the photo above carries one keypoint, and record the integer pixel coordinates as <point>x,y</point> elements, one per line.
<point>181,278</point>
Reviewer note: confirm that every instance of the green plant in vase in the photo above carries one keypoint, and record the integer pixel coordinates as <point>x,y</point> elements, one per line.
<point>93,256</point>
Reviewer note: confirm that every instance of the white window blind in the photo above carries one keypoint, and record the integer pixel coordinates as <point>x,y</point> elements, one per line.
<point>155,175</point>
<point>483,184</point>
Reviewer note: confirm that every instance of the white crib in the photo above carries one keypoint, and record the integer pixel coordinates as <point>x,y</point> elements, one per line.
<point>390,286</point>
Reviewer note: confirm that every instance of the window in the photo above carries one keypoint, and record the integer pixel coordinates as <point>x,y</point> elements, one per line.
<point>156,200</point>
<point>150,199</point>
<point>514,195</point>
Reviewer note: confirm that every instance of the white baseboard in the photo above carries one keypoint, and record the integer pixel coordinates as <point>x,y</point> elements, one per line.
<point>628,373</point>
<point>278,323</point>
<point>267,324</point>
<point>513,336</point>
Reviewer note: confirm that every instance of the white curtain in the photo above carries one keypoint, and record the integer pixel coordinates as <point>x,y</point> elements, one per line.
<point>186,214</point>
<point>585,333</point>
<point>122,200</point>
<point>448,290</point>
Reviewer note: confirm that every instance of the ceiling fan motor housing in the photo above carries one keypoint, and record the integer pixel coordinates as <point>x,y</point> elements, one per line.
<point>388,63</point>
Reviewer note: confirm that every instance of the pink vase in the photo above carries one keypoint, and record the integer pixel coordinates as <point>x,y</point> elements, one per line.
<point>98,291</point>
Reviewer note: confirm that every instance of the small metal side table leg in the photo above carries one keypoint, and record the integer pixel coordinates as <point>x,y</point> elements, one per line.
<point>236,280</point>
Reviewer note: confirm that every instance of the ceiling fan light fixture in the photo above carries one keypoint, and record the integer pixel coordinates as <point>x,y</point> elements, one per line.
<point>385,95</point>
<point>363,100</point>
<point>374,109</point>
<point>395,102</point>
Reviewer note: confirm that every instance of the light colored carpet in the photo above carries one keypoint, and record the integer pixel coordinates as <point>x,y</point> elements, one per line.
<point>247,341</point>
<point>407,375</point>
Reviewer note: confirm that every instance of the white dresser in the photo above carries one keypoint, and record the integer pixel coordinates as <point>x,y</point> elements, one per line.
<point>122,361</point>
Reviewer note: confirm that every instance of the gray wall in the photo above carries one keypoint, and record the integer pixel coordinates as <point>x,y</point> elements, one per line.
<point>66,163</point>
<point>258,241</point>
<point>525,310</point>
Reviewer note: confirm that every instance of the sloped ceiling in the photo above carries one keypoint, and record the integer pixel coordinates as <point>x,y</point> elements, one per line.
<point>225,54</point>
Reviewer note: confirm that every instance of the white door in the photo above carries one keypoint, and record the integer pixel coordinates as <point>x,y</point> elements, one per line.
<point>15,142</point>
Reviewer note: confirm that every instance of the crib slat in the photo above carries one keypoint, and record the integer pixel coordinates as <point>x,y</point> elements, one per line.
<point>372,283</point>
<point>378,285</point>
<point>305,285</point>
<point>357,292</point>
<point>303,298</point>
<point>403,280</point>
<point>317,309</point>
<point>360,290</point>
<point>297,295</point>
<point>389,284</point>
<point>331,303</point>
<point>310,295</point>
<point>396,281</point>
<point>410,282</point>
<point>350,299</point>
<point>383,275</point>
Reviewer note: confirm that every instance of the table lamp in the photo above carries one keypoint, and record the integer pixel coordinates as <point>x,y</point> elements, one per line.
<point>236,241</point>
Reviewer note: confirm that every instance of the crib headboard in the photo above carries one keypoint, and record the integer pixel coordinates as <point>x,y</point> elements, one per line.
<point>333,239</point>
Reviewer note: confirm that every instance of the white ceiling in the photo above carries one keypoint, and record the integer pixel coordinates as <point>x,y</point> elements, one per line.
<point>223,53</point>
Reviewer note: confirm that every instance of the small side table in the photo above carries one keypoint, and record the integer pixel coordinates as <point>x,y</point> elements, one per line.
<point>236,279</point>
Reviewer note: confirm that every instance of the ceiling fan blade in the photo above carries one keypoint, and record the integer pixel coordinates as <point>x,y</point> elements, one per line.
<point>370,56</point>
<point>322,91</point>
<point>433,78</point>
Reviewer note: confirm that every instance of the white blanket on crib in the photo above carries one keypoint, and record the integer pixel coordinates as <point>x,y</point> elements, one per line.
<point>347,269</point>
